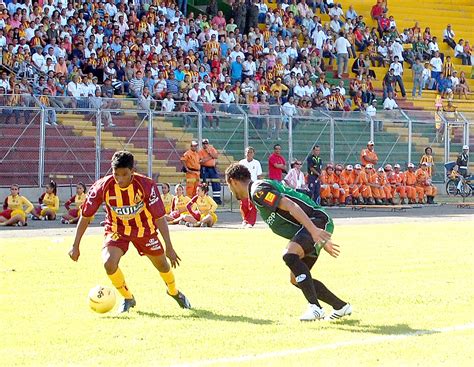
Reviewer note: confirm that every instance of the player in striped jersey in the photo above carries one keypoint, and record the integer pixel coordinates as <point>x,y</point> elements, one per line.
<point>135,212</point>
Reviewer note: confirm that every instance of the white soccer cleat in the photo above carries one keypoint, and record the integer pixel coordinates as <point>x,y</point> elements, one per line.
<point>312,313</point>
<point>337,314</point>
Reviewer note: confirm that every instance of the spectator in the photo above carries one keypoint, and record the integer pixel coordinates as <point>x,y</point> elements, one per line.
<point>295,177</point>
<point>50,113</point>
<point>397,68</point>
<point>342,45</point>
<point>192,167</point>
<point>276,164</point>
<point>460,54</point>
<point>208,160</point>
<point>388,83</point>
<point>247,209</point>
<point>417,72</point>
<point>168,104</point>
<point>448,36</point>
<point>371,111</point>
<point>137,85</point>
<point>427,158</point>
<point>201,209</point>
<point>389,103</point>
<point>463,87</point>
<point>15,208</point>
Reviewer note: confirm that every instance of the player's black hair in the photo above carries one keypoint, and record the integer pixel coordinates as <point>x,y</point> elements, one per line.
<point>237,172</point>
<point>276,145</point>
<point>426,150</point>
<point>53,185</point>
<point>122,159</point>
<point>204,187</point>
<point>315,146</point>
<point>83,185</point>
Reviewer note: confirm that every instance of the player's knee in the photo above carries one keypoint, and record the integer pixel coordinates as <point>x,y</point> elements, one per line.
<point>110,266</point>
<point>290,259</point>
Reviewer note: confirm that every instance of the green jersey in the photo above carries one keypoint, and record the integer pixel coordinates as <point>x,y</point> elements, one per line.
<point>266,195</point>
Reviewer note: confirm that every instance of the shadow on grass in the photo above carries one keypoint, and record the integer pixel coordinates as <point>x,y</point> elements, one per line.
<point>197,313</point>
<point>356,326</point>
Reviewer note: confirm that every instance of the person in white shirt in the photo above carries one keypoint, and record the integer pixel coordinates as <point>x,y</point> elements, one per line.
<point>309,89</point>
<point>38,59</point>
<point>460,54</point>
<point>168,104</point>
<point>193,93</point>
<point>335,25</point>
<point>371,112</point>
<point>389,103</point>
<point>299,90</point>
<point>436,67</point>
<point>227,97</point>
<point>247,209</point>
<point>398,73</point>
<point>342,45</point>
<point>455,80</point>
<point>249,67</point>
<point>351,13</point>
<point>396,49</point>
<point>319,37</point>
<point>295,177</point>
<point>448,36</point>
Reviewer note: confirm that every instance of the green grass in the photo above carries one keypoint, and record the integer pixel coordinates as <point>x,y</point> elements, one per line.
<point>400,278</point>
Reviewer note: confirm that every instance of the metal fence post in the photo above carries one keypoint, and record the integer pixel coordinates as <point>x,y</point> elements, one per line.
<point>98,142</point>
<point>372,129</point>
<point>151,133</point>
<point>446,146</point>
<point>246,130</point>
<point>290,138</point>
<point>42,147</point>
<point>199,128</point>
<point>410,132</point>
<point>331,141</point>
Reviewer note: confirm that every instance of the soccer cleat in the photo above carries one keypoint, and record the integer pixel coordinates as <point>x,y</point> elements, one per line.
<point>337,314</point>
<point>313,312</point>
<point>126,305</point>
<point>183,302</point>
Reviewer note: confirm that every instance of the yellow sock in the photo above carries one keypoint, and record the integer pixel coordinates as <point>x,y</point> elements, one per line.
<point>118,280</point>
<point>170,283</point>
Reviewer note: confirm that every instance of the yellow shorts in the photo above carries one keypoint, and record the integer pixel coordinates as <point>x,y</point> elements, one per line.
<point>18,212</point>
<point>213,216</point>
<point>43,211</point>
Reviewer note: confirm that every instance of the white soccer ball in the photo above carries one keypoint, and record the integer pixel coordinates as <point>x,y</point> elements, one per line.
<point>101,299</point>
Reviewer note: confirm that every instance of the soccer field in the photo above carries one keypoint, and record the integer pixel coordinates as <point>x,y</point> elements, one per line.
<point>411,286</point>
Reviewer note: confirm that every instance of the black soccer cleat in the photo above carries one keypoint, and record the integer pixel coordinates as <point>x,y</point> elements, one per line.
<point>183,302</point>
<point>126,305</point>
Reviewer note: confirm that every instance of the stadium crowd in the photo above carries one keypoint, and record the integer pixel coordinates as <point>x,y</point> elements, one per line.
<point>152,49</point>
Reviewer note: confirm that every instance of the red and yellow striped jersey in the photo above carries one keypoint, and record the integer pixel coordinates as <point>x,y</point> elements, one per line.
<point>132,211</point>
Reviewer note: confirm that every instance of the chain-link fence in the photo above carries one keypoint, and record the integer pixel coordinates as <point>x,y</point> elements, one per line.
<point>72,139</point>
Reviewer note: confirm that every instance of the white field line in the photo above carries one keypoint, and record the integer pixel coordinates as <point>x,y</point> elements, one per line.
<point>336,345</point>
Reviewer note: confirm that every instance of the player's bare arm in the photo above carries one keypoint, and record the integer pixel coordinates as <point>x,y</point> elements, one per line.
<point>171,254</point>
<point>82,225</point>
<point>319,235</point>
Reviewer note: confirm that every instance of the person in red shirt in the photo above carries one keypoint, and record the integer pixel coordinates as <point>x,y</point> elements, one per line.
<point>377,10</point>
<point>135,212</point>
<point>276,164</point>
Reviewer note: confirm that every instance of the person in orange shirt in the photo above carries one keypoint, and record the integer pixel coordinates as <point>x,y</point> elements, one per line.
<point>376,184</point>
<point>387,188</point>
<point>208,159</point>
<point>340,193</point>
<point>328,179</point>
<point>368,155</point>
<point>192,168</point>
<point>397,182</point>
<point>351,189</point>
<point>410,185</point>
<point>364,185</point>
<point>423,181</point>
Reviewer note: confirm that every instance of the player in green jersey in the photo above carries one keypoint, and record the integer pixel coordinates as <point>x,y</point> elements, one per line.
<point>294,216</point>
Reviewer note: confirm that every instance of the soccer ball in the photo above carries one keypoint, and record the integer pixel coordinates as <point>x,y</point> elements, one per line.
<point>101,299</point>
